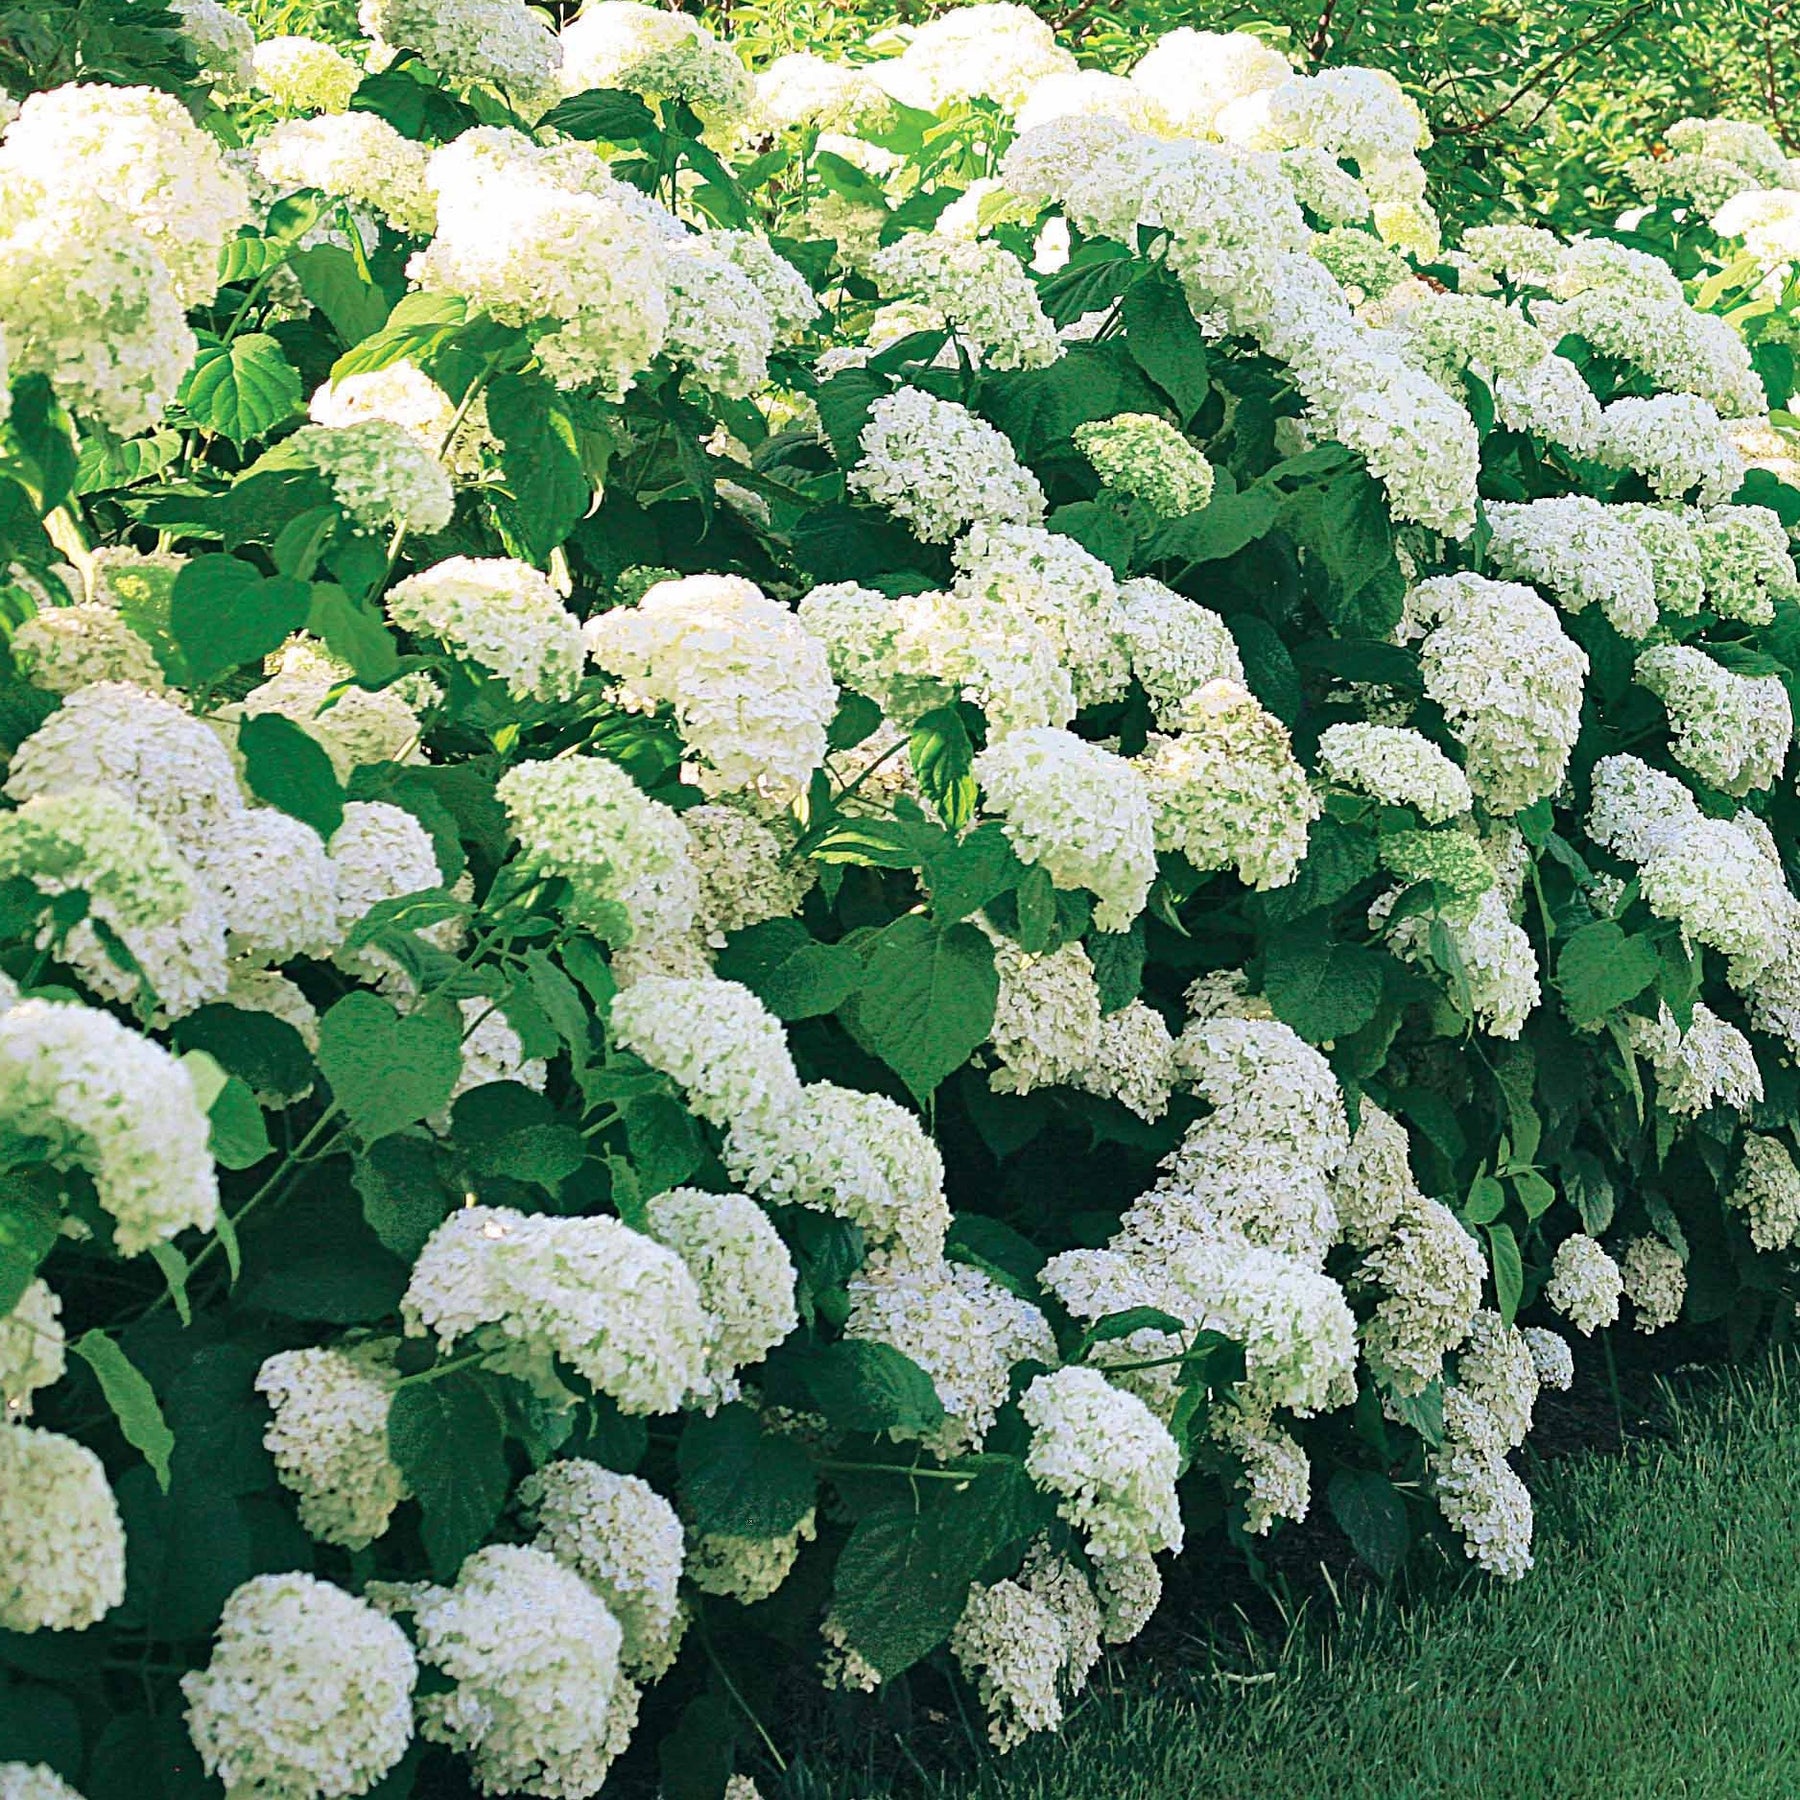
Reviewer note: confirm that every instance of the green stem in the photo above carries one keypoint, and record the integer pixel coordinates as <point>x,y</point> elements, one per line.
<point>898,1469</point>
<point>438,1370</point>
<point>742,1704</point>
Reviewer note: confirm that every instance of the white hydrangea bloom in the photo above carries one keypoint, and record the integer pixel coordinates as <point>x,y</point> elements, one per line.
<point>721,328</point>
<point>500,614</point>
<point>1397,766</point>
<point>751,688</point>
<point>380,852</point>
<point>624,1540</point>
<point>940,469</point>
<point>31,1349</point>
<point>717,1040</point>
<point>380,473</point>
<point>801,89</point>
<point>1552,1357</point>
<point>275,884</point>
<point>1133,1061</point>
<point>743,871</point>
<point>1078,811</point>
<point>1499,960</point>
<point>1107,1458</point>
<point>1046,1018</point>
<point>137,153</point>
<point>991,51</point>
<point>404,394</point>
<point>1067,592</point>
<point>980,292</point>
<point>1552,402</point>
<point>116,1104</point>
<point>539,1704</point>
<point>1227,791</point>
<point>746,1568</point>
<point>1715,878</point>
<point>498,41</point>
<point>1194,75</point>
<point>221,41</point>
<point>492,1050</point>
<point>1495,1368</point>
<point>838,1150</point>
<point>33,1781</point>
<point>1732,730</point>
<point>1073,93</point>
<point>1093,1283</point>
<point>62,1545</point>
<point>1142,457</point>
<point>963,1329</point>
<point>1277,1472</point>
<point>1584,1284</point>
<point>1767,1191</point>
<point>1478,1492</point>
<point>1711,1063</point>
<point>741,1267</point>
<point>1655,1282</point>
<point>1298,1333</point>
<point>353,725</point>
<point>1509,680</point>
<point>1129,1589</point>
<point>1746,562</point>
<point>964,643</point>
<point>618,1307</point>
<point>1177,646</point>
<point>1429,1273</point>
<point>353,156</point>
<point>1374,1182</point>
<point>664,55</point>
<point>1668,540</point>
<point>1583,552</point>
<point>301,74</point>
<point>329,1441</point>
<point>62,648</point>
<point>1677,442</point>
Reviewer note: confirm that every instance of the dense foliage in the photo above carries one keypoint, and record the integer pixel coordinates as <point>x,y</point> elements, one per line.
<point>796,859</point>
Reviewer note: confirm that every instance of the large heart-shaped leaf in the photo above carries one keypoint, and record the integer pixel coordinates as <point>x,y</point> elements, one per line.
<point>386,1071</point>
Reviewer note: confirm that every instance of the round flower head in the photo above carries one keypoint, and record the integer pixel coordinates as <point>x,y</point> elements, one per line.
<point>1429,1274</point>
<point>31,1350</point>
<point>1276,1472</point>
<point>966,642</point>
<point>380,852</point>
<point>1078,811</point>
<point>751,688</point>
<point>978,290</point>
<point>1108,1460</point>
<point>743,871</point>
<point>405,395</point>
<point>963,1329</point>
<point>1582,552</point>
<point>1194,75</point>
<point>62,1546</point>
<point>741,1267</point>
<point>1087,93</point>
<point>275,884</point>
<point>33,1781</point>
<point>1767,1191</point>
<point>1732,730</point>
<point>1046,1017</point>
<point>1746,564</point>
<point>1396,766</point>
<point>1655,1282</point>
<point>380,473</point>
<point>621,1310</point>
<point>329,1439</point>
<point>1677,442</point>
<point>663,55</point>
<point>940,469</point>
<point>717,1041</point>
<point>1374,1183</point>
<point>1636,810</point>
<point>991,51</point>
<point>137,153</point>
<point>221,43</point>
<point>1584,1284</point>
<point>499,41</point>
<point>1133,1061</point>
<point>624,1540</point>
<point>1145,458</point>
<point>109,1101</point>
<point>1070,594</point>
<point>1553,402</point>
<point>1509,681</point>
<point>169,765</point>
<point>1500,965</point>
<point>308,1694</point>
<point>1298,1333</point>
<point>1226,789</point>
<point>63,648</point>
<point>721,326</point>
<point>538,1703</point>
<point>746,1568</point>
<point>802,89</point>
<point>1176,645</point>
<point>502,615</point>
<point>838,1150</point>
<point>1552,1357</point>
<point>1477,1491</point>
<point>1669,540</point>
<point>354,156</point>
<point>354,725</point>
<point>300,74</point>
<point>1495,1368</point>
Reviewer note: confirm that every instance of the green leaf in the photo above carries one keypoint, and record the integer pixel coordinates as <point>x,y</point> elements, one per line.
<point>241,390</point>
<point>1123,1324</point>
<point>844,402</point>
<point>1324,989</point>
<point>418,327</point>
<point>222,612</point>
<point>603,113</point>
<point>867,1386</point>
<point>132,1400</point>
<point>1600,968</point>
<point>880,843</point>
<point>1372,1516</point>
<point>1508,1269</point>
<point>942,759</point>
<point>240,1138</point>
<point>1040,408</point>
<point>1219,529</point>
<point>1535,1194</point>
<point>1486,1201</point>
<point>29,1224</point>
<point>387,1072</point>
<point>331,278</point>
<point>353,633</point>
<point>928,998</point>
<point>1166,342</point>
<point>448,1437</point>
<point>267,1052</point>
<point>539,459</point>
<point>403,1200</point>
<point>1269,670</point>
<point>965,877</point>
<point>739,1479</point>
<point>1118,959</point>
<point>793,974</point>
<point>665,1146</point>
<point>1344,523</point>
<point>288,767</point>
<point>903,1579</point>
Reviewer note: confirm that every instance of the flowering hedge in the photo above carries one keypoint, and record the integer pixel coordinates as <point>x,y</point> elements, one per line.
<point>795,859</point>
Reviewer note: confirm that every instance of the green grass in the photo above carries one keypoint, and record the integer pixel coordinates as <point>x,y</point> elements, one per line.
<point>1654,1651</point>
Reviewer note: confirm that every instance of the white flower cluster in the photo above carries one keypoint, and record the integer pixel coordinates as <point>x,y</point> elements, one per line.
<point>662,55</point>
<point>1655,1282</point>
<point>380,473</point>
<point>1732,730</point>
<point>1397,767</point>
<point>978,290</point>
<point>1478,1491</point>
<point>32,1354</point>
<point>1710,1063</point>
<point>303,75</point>
<point>353,156</point>
<point>1767,1192</point>
<point>1584,553</point>
<point>502,42</point>
<point>1145,458</point>
<point>62,1543</point>
<point>503,616</point>
<point>1584,1284</point>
